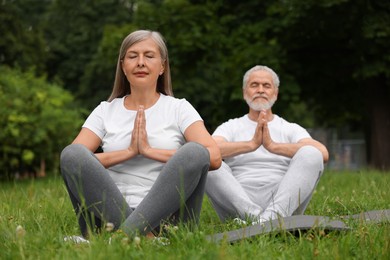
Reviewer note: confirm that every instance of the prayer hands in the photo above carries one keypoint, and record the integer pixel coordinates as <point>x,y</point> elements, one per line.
<point>267,140</point>
<point>258,136</point>
<point>262,135</point>
<point>139,139</point>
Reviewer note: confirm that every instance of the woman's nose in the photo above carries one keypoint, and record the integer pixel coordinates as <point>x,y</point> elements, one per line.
<point>141,62</point>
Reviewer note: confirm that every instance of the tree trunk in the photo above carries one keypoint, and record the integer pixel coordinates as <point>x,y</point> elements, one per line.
<point>379,118</point>
<point>42,168</point>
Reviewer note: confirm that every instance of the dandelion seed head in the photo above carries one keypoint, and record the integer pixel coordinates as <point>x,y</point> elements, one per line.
<point>137,241</point>
<point>109,227</point>
<point>20,231</point>
<point>125,241</point>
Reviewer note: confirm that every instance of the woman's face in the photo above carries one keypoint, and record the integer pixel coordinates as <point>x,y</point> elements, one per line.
<point>142,64</point>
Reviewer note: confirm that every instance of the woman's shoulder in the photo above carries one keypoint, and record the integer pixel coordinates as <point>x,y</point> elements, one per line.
<point>116,102</point>
<point>173,100</point>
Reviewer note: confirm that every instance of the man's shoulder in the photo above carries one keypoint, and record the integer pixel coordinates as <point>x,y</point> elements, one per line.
<point>280,120</point>
<point>236,120</point>
<point>232,126</point>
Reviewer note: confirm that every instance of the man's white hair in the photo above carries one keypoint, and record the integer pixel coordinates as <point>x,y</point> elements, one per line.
<point>275,77</point>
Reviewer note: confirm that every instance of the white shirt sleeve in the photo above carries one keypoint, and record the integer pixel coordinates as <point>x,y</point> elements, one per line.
<point>186,115</point>
<point>95,121</point>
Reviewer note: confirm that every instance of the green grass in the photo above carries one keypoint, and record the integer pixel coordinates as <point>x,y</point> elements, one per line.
<point>44,211</point>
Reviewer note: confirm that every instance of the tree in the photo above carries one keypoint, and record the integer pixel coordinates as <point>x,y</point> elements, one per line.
<point>327,53</point>
<point>99,73</point>
<point>73,31</point>
<point>338,51</point>
<point>331,55</point>
<point>37,119</point>
<point>21,42</point>
<point>211,45</point>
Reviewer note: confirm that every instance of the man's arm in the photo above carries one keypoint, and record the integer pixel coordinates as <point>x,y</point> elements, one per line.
<point>262,137</point>
<point>290,149</point>
<point>229,149</point>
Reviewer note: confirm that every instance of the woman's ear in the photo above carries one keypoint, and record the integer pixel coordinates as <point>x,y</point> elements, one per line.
<point>124,72</point>
<point>162,69</point>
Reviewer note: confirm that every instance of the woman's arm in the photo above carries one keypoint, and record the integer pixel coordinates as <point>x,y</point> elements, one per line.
<point>90,140</point>
<point>198,133</point>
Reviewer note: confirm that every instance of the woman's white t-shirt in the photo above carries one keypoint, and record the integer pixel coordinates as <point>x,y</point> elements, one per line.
<point>259,167</point>
<point>166,122</point>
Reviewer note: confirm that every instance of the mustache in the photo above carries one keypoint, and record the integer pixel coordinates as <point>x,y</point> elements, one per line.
<point>259,95</point>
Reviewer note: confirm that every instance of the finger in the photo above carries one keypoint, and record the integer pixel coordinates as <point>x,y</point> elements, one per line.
<point>265,125</point>
<point>142,120</point>
<point>142,126</point>
<point>138,119</point>
<point>266,130</point>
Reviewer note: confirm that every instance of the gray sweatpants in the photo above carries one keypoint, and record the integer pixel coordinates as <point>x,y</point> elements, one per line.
<point>288,197</point>
<point>176,195</point>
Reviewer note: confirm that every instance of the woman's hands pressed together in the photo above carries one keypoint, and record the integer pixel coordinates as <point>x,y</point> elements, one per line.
<point>139,144</point>
<point>139,139</point>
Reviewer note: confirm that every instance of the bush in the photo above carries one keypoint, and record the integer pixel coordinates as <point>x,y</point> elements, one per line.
<point>37,119</point>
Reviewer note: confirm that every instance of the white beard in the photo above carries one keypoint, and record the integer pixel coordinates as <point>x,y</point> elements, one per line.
<point>258,105</point>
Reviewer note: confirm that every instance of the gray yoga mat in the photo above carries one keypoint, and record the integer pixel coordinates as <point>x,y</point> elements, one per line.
<point>300,223</point>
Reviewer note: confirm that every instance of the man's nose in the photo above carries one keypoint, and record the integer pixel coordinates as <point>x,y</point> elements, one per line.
<point>260,88</point>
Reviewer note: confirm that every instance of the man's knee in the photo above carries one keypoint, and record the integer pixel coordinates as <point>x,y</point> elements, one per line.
<point>214,175</point>
<point>310,157</point>
<point>309,152</point>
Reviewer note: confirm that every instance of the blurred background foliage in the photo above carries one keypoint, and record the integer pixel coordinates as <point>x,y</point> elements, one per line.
<point>58,61</point>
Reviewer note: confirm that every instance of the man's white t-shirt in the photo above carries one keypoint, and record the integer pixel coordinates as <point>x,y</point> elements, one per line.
<point>260,167</point>
<point>166,122</point>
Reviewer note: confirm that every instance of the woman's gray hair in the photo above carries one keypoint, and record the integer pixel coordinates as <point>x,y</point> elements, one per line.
<point>121,85</point>
<point>275,77</point>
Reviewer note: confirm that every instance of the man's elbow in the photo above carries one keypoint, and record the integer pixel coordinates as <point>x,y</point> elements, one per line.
<point>325,155</point>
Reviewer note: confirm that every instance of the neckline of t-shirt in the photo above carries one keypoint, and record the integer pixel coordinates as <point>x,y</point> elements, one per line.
<point>255,123</point>
<point>146,110</point>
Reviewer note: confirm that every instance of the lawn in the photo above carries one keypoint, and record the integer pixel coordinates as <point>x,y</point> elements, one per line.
<point>43,212</point>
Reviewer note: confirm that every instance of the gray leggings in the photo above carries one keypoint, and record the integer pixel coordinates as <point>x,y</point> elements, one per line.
<point>176,195</point>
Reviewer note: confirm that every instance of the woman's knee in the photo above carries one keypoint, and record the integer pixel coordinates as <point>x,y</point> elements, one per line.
<point>196,152</point>
<point>193,157</point>
<point>73,150</point>
<point>72,155</point>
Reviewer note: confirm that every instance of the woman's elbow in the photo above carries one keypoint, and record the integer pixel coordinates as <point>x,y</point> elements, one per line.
<point>215,160</point>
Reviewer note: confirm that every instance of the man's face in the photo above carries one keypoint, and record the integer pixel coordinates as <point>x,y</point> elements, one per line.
<point>260,92</point>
